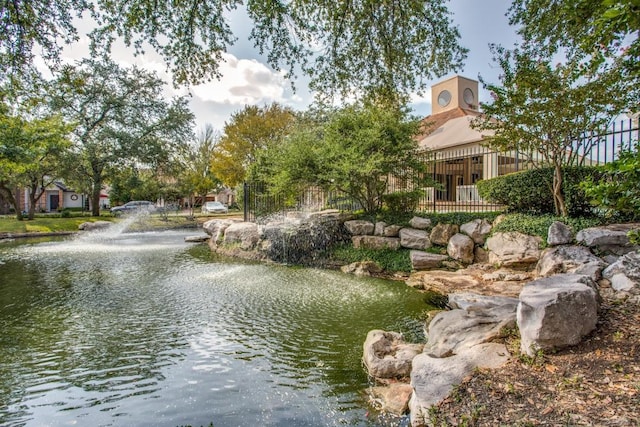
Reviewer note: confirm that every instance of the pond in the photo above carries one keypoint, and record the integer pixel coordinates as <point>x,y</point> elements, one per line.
<point>139,329</point>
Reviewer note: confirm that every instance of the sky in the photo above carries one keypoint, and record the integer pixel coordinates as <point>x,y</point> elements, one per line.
<point>247,80</point>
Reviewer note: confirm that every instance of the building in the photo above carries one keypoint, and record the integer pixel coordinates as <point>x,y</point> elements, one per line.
<point>459,158</point>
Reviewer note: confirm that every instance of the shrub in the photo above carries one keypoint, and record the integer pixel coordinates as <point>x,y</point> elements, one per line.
<point>65,213</point>
<point>617,190</point>
<point>538,225</point>
<point>388,259</point>
<point>530,191</point>
<point>402,202</point>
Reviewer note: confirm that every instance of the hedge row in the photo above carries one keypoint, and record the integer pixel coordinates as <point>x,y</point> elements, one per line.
<point>530,191</point>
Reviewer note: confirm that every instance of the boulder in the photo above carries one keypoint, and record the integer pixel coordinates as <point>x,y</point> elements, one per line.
<point>513,249</point>
<point>569,259</point>
<point>386,355</point>
<point>414,239</point>
<point>453,332</point>
<point>556,311</point>
<point>608,239</point>
<point>361,268</point>
<point>375,242</point>
<point>460,248</point>
<point>447,282</point>
<point>358,227</point>
<point>216,228</point>
<point>421,260</point>
<point>378,229</point>
<point>392,231</point>
<point>420,223</point>
<point>624,274</point>
<point>94,225</point>
<point>441,233</point>
<point>433,378</point>
<point>472,301</point>
<point>393,398</point>
<point>244,234</point>
<point>559,234</point>
<point>478,230</point>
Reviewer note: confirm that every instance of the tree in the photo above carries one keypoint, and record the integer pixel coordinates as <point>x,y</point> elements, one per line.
<point>249,131</point>
<point>357,151</point>
<point>594,31</point>
<point>196,171</point>
<point>121,121</point>
<point>30,154</point>
<point>543,111</point>
<point>342,45</point>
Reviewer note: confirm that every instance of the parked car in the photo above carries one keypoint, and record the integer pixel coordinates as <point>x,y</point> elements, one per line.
<point>214,207</point>
<point>133,207</point>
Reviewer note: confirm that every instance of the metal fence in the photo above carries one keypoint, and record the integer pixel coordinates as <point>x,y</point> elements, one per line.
<point>454,174</point>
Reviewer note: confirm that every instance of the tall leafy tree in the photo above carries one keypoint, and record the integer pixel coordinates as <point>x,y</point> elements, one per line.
<point>196,172</point>
<point>30,155</point>
<point>249,131</point>
<point>121,118</point>
<point>544,110</point>
<point>591,31</point>
<point>357,150</point>
<point>341,45</point>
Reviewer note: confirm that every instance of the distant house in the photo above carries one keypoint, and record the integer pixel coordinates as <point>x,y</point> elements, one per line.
<point>57,196</point>
<point>460,158</point>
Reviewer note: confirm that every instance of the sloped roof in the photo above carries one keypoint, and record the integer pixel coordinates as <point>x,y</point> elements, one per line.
<point>449,129</point>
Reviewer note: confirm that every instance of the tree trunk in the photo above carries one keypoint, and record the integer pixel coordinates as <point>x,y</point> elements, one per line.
<point>95,198</point>
<point>558,196</point>
<point>7,193</point>
<point>34,196</point>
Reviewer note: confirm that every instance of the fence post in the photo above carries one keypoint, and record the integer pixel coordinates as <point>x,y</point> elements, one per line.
<point>245,201</point>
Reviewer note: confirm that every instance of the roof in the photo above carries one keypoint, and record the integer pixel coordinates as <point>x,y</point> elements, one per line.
<point>449,129</point>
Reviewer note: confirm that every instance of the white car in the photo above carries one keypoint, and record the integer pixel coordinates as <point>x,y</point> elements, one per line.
<point>214,207</point>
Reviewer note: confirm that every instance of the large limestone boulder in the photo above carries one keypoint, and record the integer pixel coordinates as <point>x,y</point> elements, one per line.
<point>556,311</point>
<point>570,259</point>
<point>412,238</point>
<point>513,249</point>
<point>387,356</point>
<point>420,223</point>
<point>455,331</point>
<point>378,229</point>
<point>608,239</point>
<point>460,248</point>
<point>358,227</point>
<point>624,274</point>
<point>441,233</point>
<point>216,228</point>
<point>433,378</point>
<point>421,260</point>
<point>559,234</point>
<point>361,268</point>
<point>244,234</point>
<point>478,230</point>
<point>375,242</point>
<point>393,398</point>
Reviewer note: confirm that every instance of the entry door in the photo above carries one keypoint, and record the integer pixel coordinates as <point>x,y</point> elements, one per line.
<point>54,202</point>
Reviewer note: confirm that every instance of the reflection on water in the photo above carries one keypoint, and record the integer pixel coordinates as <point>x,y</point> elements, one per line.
<point>140,329</point>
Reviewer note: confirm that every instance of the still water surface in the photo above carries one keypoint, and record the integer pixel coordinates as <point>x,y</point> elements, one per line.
<point>142,329</point>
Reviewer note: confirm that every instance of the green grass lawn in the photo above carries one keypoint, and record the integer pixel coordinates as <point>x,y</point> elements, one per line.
<point>44,224</point>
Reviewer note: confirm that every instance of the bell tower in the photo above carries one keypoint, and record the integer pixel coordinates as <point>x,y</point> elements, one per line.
<point>456,92</point>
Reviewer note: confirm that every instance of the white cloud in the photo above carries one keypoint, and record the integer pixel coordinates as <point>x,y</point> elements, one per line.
<point>243,82</point>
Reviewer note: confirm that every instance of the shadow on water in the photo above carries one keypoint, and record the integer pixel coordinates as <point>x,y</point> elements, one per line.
<point>135,329</point>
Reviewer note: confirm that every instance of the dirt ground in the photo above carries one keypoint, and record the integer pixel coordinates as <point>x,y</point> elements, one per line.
<point>596,383</point>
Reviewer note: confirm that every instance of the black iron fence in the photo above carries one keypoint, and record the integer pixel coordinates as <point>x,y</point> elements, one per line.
<point>454,174</point>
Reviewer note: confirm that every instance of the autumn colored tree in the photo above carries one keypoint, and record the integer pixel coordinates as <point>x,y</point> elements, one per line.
<point>249,131</point>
